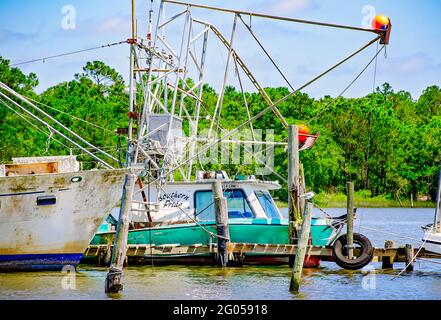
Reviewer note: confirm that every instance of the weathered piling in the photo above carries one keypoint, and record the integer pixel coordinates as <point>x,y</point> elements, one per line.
<point>113,279</point>
<point>222,228</point>
<point>293,180</point>
<point>302,246</point>
<point>409,257</point>
<point>350,220</point>
<point>388,261</point>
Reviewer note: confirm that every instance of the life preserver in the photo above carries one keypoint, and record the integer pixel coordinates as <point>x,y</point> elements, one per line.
<point>362,259</point>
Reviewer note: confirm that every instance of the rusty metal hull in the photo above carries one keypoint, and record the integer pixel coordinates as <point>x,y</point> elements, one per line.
<point>47,221</point>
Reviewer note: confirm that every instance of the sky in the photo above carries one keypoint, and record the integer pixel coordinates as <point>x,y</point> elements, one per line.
<point>31,29</point>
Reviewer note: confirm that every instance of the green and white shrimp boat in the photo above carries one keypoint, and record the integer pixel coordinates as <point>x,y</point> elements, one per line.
<point>185,216</point>
<point>172,124</point>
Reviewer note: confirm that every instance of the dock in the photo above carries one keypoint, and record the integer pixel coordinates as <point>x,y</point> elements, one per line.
<point>239,251</point>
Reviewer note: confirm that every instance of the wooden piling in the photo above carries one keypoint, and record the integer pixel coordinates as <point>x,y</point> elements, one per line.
<point>222,228</point>
<point>107,256</point>
<point>350,220</point>
<point>113,279</point>
<point>409,257</point>
<point>293,181</point>
<point>388,262</point>
<point>302,246</point>
<point>302,186</point>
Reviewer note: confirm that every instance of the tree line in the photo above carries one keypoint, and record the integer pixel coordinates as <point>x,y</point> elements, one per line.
<point>386,142</point>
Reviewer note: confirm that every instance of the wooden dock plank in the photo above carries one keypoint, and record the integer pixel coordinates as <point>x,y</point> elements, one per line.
<point>325,253</point>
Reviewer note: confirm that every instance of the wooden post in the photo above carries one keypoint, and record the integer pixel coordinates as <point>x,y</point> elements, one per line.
<point>350,221</point>
<point>409,258</point>
<point>293,181</point>
<point>220,204</point>
<point>411,199</point>
<point>113,279</point>
<point>302,186</point>
<point>302,245</point>
<point>388,262</point>
<point>107,256</point>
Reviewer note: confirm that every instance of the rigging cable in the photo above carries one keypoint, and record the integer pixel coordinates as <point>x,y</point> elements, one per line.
<point>68,53</point>
<point>33,125</point>
<point>347,88</point>
<point>71,116</point>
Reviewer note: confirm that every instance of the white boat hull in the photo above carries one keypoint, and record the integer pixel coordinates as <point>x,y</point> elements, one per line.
<point>433,242</point>
<point>47,221</point>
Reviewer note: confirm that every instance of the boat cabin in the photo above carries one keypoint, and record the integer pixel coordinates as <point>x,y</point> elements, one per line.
<point>247,198</point>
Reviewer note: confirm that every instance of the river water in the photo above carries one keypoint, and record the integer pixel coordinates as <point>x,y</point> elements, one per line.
<point>262,283</point>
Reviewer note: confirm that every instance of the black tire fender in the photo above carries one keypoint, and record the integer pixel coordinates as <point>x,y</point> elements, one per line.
<point>365,257</point>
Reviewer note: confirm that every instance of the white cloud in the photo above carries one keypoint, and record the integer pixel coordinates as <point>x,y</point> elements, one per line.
<point>292,6</point>
<point>115,23</point>
<point>409,65</point>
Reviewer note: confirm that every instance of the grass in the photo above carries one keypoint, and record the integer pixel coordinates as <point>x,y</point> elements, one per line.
<point>362,200</point>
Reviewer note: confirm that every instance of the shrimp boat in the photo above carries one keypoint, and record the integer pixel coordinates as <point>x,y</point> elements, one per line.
<point>49,208</point>
<point>168,115</point>
<point>185,216</point>
<point>49,211</point>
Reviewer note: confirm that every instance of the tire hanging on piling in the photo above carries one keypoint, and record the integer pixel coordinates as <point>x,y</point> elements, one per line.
<point>364,258</point>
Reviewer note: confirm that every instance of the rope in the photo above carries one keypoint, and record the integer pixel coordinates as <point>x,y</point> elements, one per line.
<point>415,256</point>
<point>48,142</point>
<point>68,53</point>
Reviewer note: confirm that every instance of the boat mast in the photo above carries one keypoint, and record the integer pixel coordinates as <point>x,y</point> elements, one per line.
<point>132,42</point>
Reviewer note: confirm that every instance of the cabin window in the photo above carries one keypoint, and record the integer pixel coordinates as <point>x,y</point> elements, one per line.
<point>267,203</point>
<point>237,205</point>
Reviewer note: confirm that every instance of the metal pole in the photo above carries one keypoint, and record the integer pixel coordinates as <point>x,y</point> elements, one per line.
<point>198,103</point>
<point>255,14</point>
<point>222,90</point>
<point>129,152</point>
<point>437,222</point>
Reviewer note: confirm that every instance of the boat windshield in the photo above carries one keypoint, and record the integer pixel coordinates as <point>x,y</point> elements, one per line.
<point>267,203</point>
<point>237,205</point>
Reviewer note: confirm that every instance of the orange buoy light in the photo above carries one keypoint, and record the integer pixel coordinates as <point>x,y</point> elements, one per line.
<point>380,22</point>
<point>303,132</point>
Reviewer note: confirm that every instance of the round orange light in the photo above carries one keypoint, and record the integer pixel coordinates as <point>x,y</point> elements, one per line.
<point>303,132</point>
<point>380,22</point>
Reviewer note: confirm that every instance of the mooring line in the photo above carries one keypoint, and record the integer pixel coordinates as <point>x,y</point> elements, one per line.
<point>415,256</point>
